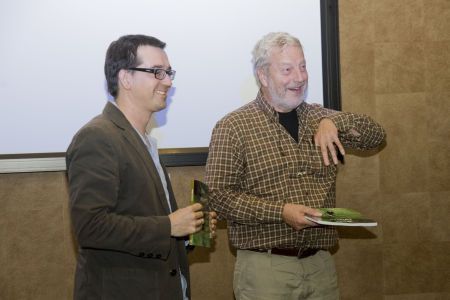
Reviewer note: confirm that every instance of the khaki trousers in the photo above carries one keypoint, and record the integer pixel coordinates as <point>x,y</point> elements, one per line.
<point>265,276</point>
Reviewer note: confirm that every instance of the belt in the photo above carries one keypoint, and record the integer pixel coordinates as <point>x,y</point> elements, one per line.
<point>297,252</point>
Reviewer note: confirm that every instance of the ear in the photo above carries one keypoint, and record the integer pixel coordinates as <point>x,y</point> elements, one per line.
<point>262,76</point>
<point>124,79</point>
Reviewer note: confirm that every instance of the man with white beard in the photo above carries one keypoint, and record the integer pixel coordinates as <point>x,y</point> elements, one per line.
<point>270,163</point>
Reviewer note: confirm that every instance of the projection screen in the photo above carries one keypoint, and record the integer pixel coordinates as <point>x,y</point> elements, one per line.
<point>52,55</point>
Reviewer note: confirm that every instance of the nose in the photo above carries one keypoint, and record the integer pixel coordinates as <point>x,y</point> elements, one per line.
<point>301,74</point>
<point>167,81</point>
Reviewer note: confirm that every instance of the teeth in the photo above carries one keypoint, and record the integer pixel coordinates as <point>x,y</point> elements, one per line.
<point>161,93</point>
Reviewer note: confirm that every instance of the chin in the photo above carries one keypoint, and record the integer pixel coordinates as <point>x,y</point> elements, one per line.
<point>163,106</point>
<point>294,103</point>
<point>158,108</point>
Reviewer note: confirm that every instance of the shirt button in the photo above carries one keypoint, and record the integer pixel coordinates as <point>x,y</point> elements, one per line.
<point>301,173</point>
<point>173,272</point>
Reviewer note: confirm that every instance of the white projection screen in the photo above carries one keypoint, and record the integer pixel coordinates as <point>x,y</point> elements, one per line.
<point>52,55</point>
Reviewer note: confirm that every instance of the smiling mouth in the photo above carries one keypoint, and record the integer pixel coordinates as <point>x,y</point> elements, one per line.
<point>296,89</point>
<point>161,93</point>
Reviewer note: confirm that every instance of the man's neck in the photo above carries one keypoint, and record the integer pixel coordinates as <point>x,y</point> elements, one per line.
<point>137,117</point>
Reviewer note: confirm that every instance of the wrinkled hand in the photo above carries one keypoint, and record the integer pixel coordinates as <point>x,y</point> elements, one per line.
<point>326,138</point>
<point>186,220</point>
<point>294,215</point>
<point>212,223</point>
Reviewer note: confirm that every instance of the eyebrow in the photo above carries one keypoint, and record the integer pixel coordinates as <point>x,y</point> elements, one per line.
<point>161,67</point>
<point>290,64</point>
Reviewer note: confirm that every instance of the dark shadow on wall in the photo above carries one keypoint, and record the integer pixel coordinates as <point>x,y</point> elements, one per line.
<point>159,118</point>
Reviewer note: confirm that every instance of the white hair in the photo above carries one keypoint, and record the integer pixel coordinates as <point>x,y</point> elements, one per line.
<point>264,46</point>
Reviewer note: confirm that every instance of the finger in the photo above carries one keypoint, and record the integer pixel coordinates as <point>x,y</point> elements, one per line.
<point>198,215</point>
<point>333,153</point>
<point>316,141</point>
<point>196,207</point>
<point>313,212</point>
<point>340,146</point>
<point>324,151</point>
<point>303,222</point>
<point>309,223</point>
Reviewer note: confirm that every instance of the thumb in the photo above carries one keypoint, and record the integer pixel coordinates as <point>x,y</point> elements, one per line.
<point>313,212</point>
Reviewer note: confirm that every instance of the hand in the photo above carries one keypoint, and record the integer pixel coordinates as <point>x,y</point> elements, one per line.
<point>212,223</point>
<point>326,137</point>
<point>186,220</point>
<point>294,215</point>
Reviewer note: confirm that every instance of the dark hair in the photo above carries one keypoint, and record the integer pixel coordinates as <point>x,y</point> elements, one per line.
<point>122,54</point>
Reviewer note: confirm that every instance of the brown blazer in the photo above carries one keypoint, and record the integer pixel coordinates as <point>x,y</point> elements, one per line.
<point>119,215</point>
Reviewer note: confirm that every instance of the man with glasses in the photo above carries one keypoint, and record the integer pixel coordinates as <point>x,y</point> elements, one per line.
<point>270,163</point>
<point>130,233</point>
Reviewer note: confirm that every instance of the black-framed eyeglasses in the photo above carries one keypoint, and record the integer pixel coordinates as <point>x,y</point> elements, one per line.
<point>159,72</point>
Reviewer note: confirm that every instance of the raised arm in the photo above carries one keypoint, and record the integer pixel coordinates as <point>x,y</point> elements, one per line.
<point>339,130</point>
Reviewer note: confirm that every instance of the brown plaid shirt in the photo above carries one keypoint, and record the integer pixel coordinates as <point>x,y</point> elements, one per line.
<point>254,167</point>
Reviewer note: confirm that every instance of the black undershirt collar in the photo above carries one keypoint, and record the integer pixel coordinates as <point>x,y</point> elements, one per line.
<point>289,121</point>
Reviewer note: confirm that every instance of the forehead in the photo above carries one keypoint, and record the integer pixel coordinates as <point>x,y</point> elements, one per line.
<point>152,56</point>
<point>286,54</point>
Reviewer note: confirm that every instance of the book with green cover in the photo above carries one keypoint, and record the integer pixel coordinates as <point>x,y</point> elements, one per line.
<point>199,194</point>
<point>342,217</point>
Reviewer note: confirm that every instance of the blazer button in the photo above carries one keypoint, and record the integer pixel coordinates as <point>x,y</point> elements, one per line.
<point>150,255</point>
<point>173,272</point>
<point>142,254</point>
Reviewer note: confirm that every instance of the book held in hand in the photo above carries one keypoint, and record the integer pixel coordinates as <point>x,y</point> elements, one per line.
<point>341,217</point>
<point>199,194</point>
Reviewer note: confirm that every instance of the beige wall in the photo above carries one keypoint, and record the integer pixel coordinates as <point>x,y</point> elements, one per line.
<point>395,62</point>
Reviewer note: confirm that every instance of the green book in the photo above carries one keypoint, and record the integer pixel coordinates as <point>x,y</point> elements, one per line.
<point>199,194</point>
<point>341,217</point>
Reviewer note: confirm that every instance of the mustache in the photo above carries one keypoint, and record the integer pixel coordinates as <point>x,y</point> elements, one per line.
<point>297,85</point>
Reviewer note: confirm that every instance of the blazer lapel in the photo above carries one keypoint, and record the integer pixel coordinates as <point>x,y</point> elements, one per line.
<point>130,134</point>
